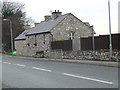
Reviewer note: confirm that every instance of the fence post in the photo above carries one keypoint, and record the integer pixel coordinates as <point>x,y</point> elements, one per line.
<point>76,45</point>
<point>61,55</point>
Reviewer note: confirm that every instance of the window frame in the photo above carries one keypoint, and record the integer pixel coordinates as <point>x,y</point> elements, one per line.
<point>71,35</point>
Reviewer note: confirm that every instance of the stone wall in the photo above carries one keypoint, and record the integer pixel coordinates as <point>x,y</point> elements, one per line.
<point>24,50</point>
<point>21,47</point>
<point>33,44</point>
<point>86,55</point>
<point>39,43</point>
<point>70,23</point>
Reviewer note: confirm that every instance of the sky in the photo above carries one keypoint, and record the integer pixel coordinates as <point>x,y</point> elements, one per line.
<point>93,11</point>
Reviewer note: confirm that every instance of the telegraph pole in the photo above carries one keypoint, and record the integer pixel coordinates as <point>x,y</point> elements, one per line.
<point>11,33</point>
<point>110,45</point>
<point>93,42</point>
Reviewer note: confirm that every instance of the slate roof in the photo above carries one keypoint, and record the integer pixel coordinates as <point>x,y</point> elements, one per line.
<point>22,36</point>
<point>43,27</point>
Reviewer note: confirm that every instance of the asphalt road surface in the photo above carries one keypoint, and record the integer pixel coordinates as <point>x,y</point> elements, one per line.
<point>23,73</point>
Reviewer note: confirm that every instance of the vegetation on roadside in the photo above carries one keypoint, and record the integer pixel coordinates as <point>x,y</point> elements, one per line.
<point>13,12</point>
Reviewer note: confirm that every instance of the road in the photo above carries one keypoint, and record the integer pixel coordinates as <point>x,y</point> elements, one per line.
<point>23,73</point>
<point>0,71</point>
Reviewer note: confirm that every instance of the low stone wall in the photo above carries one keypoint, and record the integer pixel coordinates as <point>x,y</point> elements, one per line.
<point>87,55</point>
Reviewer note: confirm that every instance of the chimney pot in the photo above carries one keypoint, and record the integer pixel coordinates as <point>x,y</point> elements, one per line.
<point>56,14</point>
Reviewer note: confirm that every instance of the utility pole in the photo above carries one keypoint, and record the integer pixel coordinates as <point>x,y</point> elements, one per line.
<point>110,45</point>
<point>11,33</point>
<point>93,41</point>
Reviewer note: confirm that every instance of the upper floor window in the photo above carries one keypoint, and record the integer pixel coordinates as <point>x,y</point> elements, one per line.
<point>72,35</point>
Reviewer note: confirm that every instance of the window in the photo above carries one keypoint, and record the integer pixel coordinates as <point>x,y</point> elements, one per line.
<point>72,35</point>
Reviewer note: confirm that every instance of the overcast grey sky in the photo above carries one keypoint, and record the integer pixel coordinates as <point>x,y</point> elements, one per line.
<point>93,11</point>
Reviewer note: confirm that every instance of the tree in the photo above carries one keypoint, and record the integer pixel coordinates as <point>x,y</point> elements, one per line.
<point>13,11</point>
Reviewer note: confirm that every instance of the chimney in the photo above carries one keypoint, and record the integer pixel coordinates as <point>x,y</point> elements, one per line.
<point>36,24</point>
<point>47,17</point>
<point>56,14</point>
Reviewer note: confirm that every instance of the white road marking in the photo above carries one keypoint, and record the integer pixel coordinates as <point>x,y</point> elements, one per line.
<point>87,78</point>
<point>102,81</point>
<point>42,69</point>
<point>20,65</point>
<point>6,62</point>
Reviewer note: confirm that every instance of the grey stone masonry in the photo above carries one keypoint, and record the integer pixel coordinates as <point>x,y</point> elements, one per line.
<point>86,55</point>
<point>56,14</point>
<point>33,44</point>
<point>38,43</point>
<point>70,24</point>
<point>21,47</point>
<point>56,27</point>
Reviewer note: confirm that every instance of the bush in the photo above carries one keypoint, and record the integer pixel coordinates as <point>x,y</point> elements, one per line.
<point>8,53</point>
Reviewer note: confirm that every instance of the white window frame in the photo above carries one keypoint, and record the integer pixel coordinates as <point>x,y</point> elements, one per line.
<point>72,35</point>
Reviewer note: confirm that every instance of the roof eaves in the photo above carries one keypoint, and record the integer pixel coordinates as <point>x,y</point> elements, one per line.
<point>37,33</point>
<point>19,39</point>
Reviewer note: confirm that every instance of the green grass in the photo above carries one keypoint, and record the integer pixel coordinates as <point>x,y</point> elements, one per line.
<point>8,53</point>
